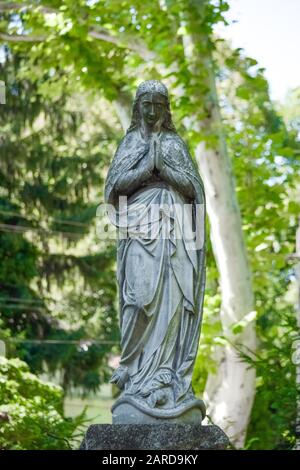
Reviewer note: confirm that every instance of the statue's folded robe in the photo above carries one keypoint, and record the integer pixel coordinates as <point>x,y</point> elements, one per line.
<point>161,281</point>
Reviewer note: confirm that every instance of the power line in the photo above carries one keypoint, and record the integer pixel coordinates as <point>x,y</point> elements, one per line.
<point>13,214</point>
<point>33,307</point>
<point>52,219</point>
<point>28,302</point>
<point>80,342</point>
<point>24,307</point>
<point>21,300</point>
<point>19,229</point>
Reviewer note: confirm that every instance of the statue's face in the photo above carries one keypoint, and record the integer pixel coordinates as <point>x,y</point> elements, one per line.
<point>152,108</point>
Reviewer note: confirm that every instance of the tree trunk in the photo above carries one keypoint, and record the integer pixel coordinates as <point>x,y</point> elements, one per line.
<point>230,392</point>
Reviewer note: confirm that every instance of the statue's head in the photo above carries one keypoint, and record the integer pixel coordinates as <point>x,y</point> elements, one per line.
<point>152,105</point>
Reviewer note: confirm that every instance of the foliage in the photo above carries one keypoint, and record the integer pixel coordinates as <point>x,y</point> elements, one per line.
<point>273,419</point>
<point>51,183</point>
<point>99,48</point>
<point>31,411</point>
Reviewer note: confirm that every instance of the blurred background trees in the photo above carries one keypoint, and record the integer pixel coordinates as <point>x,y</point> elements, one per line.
<point>55,285</point>
<point>70,70</point>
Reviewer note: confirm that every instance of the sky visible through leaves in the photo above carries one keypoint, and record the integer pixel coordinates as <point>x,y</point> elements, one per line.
<point>269,31</point>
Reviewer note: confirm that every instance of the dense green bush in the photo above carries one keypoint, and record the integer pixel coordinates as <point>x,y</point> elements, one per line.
<point>31,411</point>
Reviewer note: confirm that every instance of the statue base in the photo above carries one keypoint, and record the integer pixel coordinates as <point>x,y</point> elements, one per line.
<point>127,410</point>
<point>164,436</point>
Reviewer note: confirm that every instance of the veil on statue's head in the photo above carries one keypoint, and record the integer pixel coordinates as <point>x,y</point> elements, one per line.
<point>151,86</point>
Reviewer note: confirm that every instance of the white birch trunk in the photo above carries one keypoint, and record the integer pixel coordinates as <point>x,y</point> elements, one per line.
<point>229,393</point>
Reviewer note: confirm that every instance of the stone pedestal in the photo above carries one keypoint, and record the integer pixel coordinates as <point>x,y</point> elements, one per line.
<point>154,437</point>
<point>127,410</point>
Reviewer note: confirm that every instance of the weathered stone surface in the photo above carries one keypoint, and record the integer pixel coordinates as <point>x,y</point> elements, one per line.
<point>129,411</point>
<point>154,437</point>
<point>157,204</point>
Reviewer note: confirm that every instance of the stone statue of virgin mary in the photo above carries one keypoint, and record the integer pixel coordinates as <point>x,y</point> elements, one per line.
<point>161,265</point>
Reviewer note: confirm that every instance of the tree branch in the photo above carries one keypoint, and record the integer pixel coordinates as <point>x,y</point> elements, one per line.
<point>8,6</point>
<point>5,6</point>
<point>132,44</point>
<point>21,38</point>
